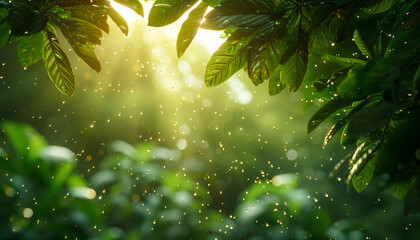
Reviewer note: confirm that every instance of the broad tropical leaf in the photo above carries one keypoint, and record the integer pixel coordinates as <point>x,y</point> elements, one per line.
<point>327,110</point>
<point>343,61</point>
<point>189,28</point>
<point>116,17</point>
<point>30,49</point>
<point>226,61</point>
<point>77,37</point>
<point>24,21</point>
<point>95,15</point>
<point>57,64</point>
<point>135,5</point>
<point>399,189</point>
<point>338,125</point>
<point>275,86</point>
<point>213,3</point>
<point>362,179</point>
<point>361,44</point>
<point>370,118</point>
<point>380,7</point>
<point>263,58</point>
<point>165,12</point>
<point>239,13</point>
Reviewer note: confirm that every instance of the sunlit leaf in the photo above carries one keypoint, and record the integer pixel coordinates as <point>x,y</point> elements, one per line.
<point>189,28</point>
<point>30,49</point>
<point>226,61</point>
<point>213,3</point>
<point>57,64</point>
<point>165,12</point>
<point>77,37</point>
<point>361,44</point>
<point>135,5</point>
<point>361,180</point>
<point>275,86</point>
<point>95,15</point>
<point>118,19</point>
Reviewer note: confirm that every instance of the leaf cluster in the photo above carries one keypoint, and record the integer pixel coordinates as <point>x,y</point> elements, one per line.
<point>34,25</point>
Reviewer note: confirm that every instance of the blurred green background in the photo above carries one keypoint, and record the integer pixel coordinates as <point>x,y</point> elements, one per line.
<point>144,151</point>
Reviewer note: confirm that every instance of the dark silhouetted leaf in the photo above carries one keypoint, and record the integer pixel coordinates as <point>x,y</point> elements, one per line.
<point>338,125</point>
<point>380,7</point>
<point>239,13</point>
<point>325,111</point>
<point>189,28</point>
<point>25,21</point>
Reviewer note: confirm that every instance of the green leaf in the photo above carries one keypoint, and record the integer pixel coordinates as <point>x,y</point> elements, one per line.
<point>57,64</point>
<point>263,58</point>
<point>96,15</point>
<point>275,86</point>
<point>293,71</point>
<point>399,189</point>
<point>189,28</point>
<point>338,125</point>
<point>343,61</point>
<point>239,13</point>
<point>77,37</point>
<point>30,49</point>
<point>165,12</point>
<point>375,76</point>
<point>362,179</point>
<point>361,44</point>
<point>226,61</point>
<point>380,7</point>
<point>93,33</point>
<point>135,5</point>
<point>370,118</point>
<point>116,17</point>
<point>325,111</point>
<point>213,3</point>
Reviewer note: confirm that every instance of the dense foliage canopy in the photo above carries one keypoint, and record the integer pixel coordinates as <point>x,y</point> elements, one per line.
<point>372,93</point>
